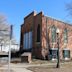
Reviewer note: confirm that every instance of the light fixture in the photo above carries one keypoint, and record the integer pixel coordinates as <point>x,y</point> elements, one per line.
<point>57,31</point>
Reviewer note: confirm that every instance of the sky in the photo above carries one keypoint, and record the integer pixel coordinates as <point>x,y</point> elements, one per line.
<point>16,10</point>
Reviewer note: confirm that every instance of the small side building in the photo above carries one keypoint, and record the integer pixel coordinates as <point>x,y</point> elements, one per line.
<point>38,36</point>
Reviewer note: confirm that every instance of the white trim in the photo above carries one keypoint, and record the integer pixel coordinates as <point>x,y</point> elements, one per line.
<point>66,49</point>
<point>54,48</point>
<point>66,58</point>
<point>53,59</point>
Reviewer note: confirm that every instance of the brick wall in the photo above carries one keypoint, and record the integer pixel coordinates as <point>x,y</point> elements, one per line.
<point>32,21</point>
<point>58,24</point>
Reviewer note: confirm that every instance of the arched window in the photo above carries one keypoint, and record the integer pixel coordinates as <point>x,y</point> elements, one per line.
<point>65,35</point>
<point>38,33</point>
<point>53,34</point>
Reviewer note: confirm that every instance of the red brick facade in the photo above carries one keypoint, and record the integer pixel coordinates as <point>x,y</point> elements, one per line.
<point>41,49</point>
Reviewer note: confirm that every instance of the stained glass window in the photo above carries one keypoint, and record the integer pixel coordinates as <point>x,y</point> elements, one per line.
<point>65,35</point>
<point>53,31</point>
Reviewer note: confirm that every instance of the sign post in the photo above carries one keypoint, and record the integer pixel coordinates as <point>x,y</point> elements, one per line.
<point>11,30</point>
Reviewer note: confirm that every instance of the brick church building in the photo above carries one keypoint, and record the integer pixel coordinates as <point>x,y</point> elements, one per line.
<point>38,35</point>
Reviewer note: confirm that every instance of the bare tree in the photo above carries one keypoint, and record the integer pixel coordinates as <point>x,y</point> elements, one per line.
<point>69,8</point>
<point>4,30</point>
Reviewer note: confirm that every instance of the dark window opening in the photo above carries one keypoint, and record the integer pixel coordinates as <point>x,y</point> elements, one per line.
<point>66,53</point>
<point>38,33</point>
<point>53,54</point>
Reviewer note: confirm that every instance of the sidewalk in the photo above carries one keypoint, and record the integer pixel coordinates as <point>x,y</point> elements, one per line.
<point>20,70</point>
<point>15,68</point>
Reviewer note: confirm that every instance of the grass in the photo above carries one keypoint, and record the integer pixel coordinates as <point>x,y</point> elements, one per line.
<point>64,66</point>
<point>52,68</point>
